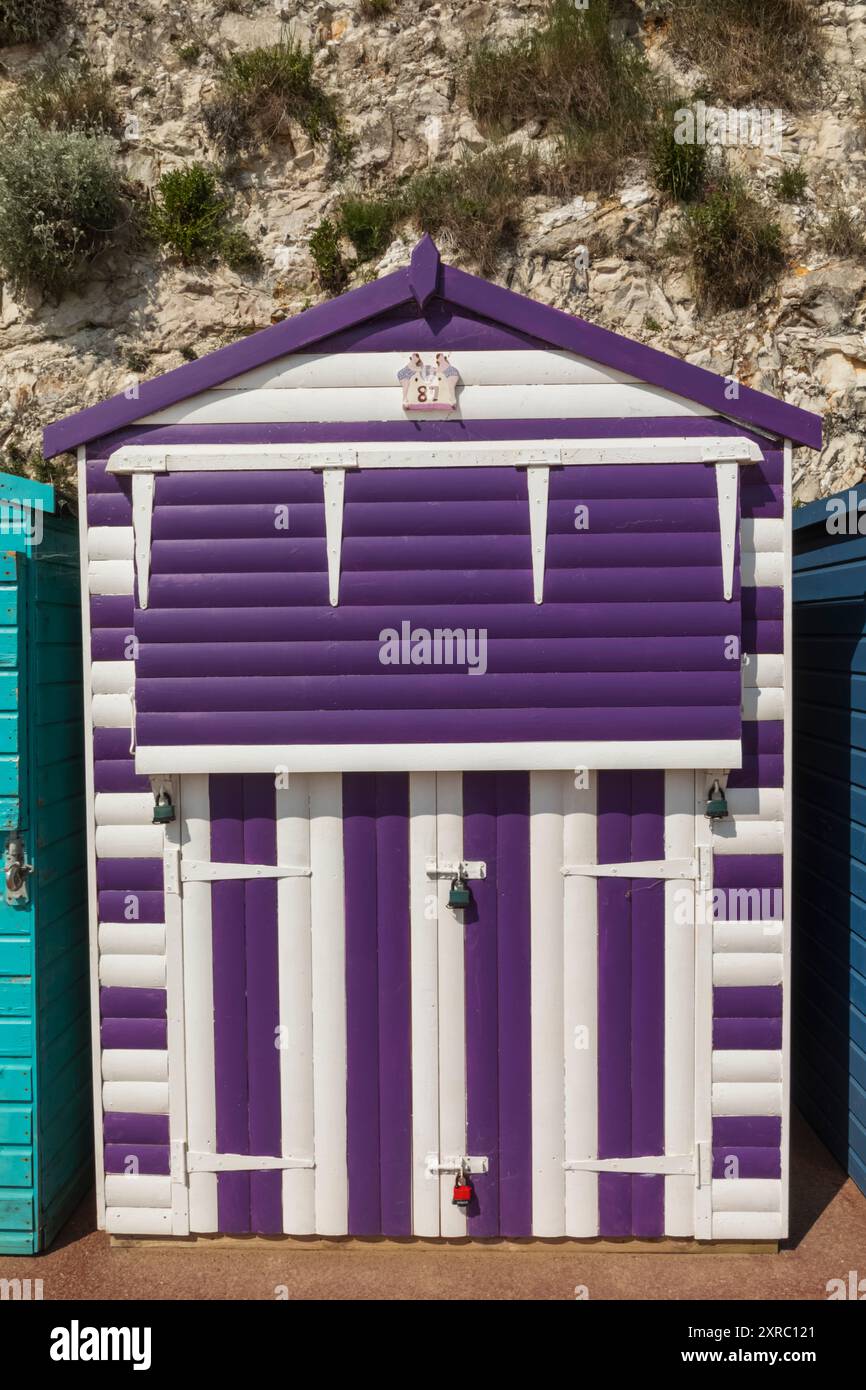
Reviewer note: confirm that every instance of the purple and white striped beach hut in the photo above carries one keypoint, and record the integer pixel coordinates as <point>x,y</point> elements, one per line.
<point>380,650</point>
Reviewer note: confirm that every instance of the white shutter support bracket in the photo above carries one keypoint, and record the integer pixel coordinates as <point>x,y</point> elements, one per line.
<point>199,1162</point>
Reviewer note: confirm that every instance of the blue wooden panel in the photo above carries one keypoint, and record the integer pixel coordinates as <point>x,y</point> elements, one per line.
<point>16,1124</point>
<point>829,910</point>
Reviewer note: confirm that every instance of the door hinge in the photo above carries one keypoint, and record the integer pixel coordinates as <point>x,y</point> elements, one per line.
<point>639,868</point>
<point>17,870</point>
<point>649,1163</point>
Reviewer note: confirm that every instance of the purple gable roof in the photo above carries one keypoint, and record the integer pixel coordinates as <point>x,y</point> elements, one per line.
<point>418,286</point>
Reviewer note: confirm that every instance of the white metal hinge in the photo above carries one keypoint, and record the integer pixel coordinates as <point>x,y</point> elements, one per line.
<point>650,1163</point>
<point>640,868</point>
<point>456,1163</point>
<point>198,1162</point>
<point>185,1161</point>
<point>456,868</point>
<point>171,869</point>
<point>206,871</point>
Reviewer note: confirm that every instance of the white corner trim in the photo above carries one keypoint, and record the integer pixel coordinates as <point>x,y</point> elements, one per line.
<point>538,483</point>
<point>334,483</point>
<point>142,525</point>
<point>185,458</point>
<point>726,486</point>
<point>438,757</point>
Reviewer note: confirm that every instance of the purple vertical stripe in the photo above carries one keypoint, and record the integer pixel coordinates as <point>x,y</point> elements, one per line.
<point>481,1001</point>
<point>263,1006</point>
<point>230,1002</point>
<point>362,987</point>
<point>378,1002</point>
<point>614,1003</point>
<point>515,1014</point>
<point>395,1002</point>
<point>647,1000</point>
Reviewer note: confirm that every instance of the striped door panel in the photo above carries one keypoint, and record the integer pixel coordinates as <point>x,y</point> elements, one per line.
<point>349,1019</point>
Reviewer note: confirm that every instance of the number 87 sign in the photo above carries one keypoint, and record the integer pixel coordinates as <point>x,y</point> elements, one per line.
<point>429,385</point>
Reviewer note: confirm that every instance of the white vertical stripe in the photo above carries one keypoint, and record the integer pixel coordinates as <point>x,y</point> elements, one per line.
<point>787,644</point>
<point>546,947</point>
<point>679,1048</point>
<point>329,1003</point>
<point>580,1014</point>
<point>703,995</point>
<point>90,829</point>
<point>294,946</point>
<point>452,1021</point>
<point>424,913</point>
<point>175,1033</point>
<point>198,961</point>
<point>142,521</point>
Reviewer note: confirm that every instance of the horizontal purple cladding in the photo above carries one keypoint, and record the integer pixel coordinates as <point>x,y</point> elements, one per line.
<point>126,1127</point>
<point>480,725</point>
<point>241,561</point>
<point>147,1158</point>
<point>402,690</point>
<point>116,1001</point>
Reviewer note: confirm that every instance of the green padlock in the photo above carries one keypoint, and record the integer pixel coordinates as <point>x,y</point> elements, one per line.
<point>717,806</point>
<point>163,811</point>
<point>459,894</point>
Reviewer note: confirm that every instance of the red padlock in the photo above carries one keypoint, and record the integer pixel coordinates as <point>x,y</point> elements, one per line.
<point>462,1194</point>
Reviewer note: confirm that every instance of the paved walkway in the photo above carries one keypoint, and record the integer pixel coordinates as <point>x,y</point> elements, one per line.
<point>828,1240</point>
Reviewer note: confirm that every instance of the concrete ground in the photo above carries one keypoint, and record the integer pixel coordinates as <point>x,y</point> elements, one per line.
<point>828,1240</point>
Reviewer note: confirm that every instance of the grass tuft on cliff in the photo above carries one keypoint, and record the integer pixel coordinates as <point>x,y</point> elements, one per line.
<point>577,75</point>
<point>736,249</point>
<point>28,21</point>
<point>475,202</point>
<point>61,197</point>
<point>66,96</point>
<point>750,50</point>
<point>263,92</point>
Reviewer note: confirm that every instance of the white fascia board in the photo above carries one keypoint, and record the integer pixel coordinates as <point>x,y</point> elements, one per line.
<point>438,757</point>
<point>133,458</point>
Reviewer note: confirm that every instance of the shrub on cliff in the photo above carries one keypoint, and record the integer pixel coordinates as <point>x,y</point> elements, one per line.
<point>61,197</point>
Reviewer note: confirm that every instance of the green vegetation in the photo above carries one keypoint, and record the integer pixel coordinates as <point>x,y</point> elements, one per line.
<point>475,202</point>
<point>678,169</point>
<point>325,249</point>
<point>374,9</point>
<point>842,236</point>
<point>368,224</point>
<point>791,184</point>
<point>66,96</point>
<point>263,92</point>
<point>189,217</point>
<point>767,51</point>
<point>189,53</point>
<point>30,463</point>
<point>576,74</point>
<point>61,196</point>
<point>28,21</point>
<point>736,249</point>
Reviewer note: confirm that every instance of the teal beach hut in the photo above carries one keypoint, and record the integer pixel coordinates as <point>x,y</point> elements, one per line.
<point>45,1114</point>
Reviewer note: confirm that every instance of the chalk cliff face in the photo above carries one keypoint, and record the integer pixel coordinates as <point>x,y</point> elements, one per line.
<point>395,79</point>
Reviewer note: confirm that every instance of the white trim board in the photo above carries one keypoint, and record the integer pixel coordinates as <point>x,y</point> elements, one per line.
<point>437,757</point>
<point>191,458</point>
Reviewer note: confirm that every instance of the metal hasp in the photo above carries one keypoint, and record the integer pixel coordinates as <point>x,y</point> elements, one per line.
<point>455,1163</point>
<point>17,871</point>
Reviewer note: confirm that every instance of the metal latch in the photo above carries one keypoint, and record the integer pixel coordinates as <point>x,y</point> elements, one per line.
<point>17,871</point>
<point>458,1163</point>
<point>456,868</point>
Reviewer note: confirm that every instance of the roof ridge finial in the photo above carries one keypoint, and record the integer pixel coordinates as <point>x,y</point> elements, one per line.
<point>424,270</point>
